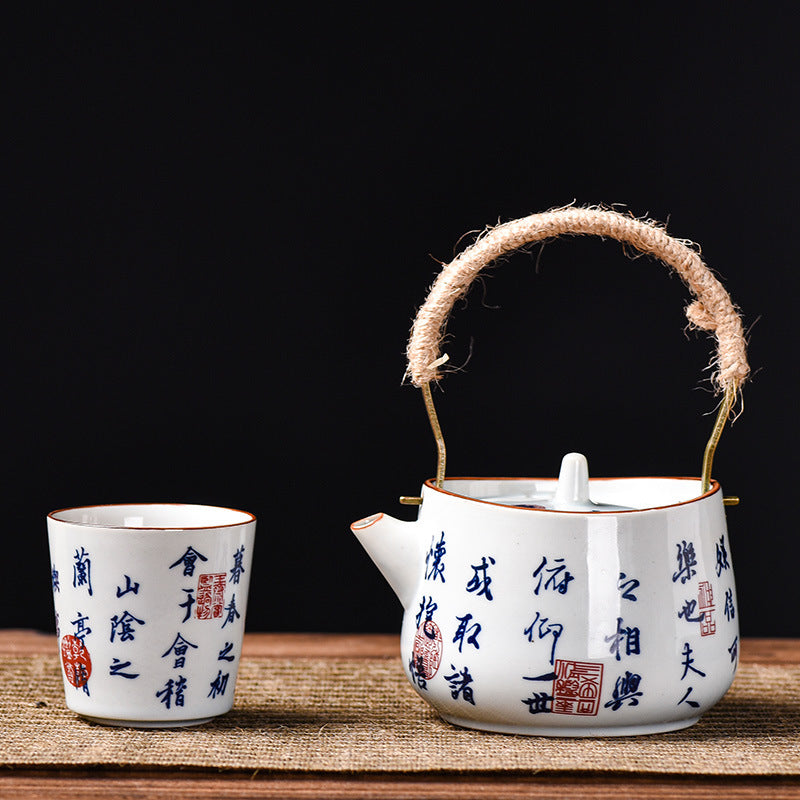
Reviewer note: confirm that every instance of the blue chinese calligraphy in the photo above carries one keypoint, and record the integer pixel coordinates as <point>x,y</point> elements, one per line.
<point>688,661</point>
<point>54,579</point>
<point>129,587</point>
<point>81,629</point>
<point>179,647</point>
<point>722,556</point>
<point>627,635</point>
<point>626,586</point>
<point>434,563</point>
<point>539,703</point>
<point>116,667</point>
<point>82,570</point>
<point>686,560</point>
<point>626,689</point>
<point>470,631</point>
<point>224,654</point>
<point>481,581</point>
<point>232,613</point>
<point>548,676</point>
<point>416,670</point>
<point>558,577</point>
<point>426,607</point>
<point>238,569</point>
<point>459,683</point>
<point>172,693</point>
<point>189,559</point>
<point>733,651</point>
<point>218,685</point>
<point>685,699</point>
<point>730,611</point>
<point>189,602</point>
<point>123,627</point>
<point>545,628</point>
<point>81,678</point>
<point>689,608</point>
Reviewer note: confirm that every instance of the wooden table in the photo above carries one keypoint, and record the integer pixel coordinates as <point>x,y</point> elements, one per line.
<point>37,784</point>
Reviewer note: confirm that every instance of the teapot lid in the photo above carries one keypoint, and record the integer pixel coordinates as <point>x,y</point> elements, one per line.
<point>571,492</point>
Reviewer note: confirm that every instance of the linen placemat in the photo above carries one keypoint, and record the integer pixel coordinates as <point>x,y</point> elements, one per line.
<point>361,715</point>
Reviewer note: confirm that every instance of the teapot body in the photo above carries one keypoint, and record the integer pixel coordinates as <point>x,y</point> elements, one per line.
<point>572,624</point>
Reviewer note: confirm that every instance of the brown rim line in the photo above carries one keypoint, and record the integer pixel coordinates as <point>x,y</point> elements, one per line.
<point>366,522</point>
<point>52,516</point>
<point>715,487</point>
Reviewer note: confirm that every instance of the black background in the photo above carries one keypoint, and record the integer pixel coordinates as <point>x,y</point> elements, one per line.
<point>222,219</point>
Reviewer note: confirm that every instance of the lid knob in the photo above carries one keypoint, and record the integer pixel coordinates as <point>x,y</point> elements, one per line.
<point>572,490</point>
<point>573,483</point>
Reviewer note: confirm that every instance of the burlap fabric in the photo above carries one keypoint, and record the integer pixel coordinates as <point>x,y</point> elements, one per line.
<point>354,715</point>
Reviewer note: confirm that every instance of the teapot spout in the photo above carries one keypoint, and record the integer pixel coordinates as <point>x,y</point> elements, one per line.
<point>396,548</point>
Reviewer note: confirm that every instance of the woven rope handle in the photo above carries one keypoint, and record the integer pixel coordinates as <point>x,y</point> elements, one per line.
<point>712,310</point>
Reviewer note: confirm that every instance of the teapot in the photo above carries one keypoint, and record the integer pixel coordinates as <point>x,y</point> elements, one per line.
<point>569,606</point>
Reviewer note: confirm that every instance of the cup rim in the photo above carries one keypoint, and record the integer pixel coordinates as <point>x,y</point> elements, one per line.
<point>52,515</point>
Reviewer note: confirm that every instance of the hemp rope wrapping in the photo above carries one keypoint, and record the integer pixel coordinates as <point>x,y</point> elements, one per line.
<point>712,310</point>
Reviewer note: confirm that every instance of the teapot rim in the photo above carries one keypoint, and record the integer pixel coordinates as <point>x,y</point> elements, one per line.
<point>715,487</point>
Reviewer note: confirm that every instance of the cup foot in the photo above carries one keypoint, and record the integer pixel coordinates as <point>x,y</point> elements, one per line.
<point>144,723</point>
<point>587,731</point>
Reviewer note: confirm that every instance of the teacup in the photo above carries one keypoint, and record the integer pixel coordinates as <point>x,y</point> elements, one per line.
<point>150,603</point>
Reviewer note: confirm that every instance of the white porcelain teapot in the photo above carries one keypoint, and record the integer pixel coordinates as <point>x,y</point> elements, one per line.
<point>569,607</point>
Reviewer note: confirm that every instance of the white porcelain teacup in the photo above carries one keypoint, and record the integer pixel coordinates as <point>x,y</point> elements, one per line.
<point>150,603</point>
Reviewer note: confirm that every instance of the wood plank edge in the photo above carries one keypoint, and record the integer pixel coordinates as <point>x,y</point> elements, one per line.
<point>191,785</point>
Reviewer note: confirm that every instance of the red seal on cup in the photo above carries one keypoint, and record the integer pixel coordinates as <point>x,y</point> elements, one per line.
<point>76,660</point>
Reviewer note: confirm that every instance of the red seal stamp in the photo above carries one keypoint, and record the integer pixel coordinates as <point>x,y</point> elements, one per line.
<point>210,596</point>
<point>576,689</point>
<point>705,601</point>
<point>76,661</point>
<point>427,653</point>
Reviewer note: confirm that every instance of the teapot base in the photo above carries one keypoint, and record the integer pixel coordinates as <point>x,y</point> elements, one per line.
<point>572,732</point>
